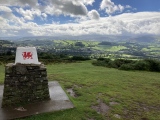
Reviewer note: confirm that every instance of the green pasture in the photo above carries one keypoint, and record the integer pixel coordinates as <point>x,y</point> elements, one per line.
<point>90,43</point>
<point>152,48</point>
<point>2,70</point>
<point>72,42</point>
<point>109,48</point>
<point>136,93</point>
<point>60,43</point>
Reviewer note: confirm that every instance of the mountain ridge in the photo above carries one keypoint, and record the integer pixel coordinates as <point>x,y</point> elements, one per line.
<point>110,38</point>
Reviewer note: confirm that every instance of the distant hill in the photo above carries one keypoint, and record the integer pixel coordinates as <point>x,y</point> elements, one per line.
<point>5,42</point>
<point>109,38</point>
<point>34,42</point>
<point>144,39</point>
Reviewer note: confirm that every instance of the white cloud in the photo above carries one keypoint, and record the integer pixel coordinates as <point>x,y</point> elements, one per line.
<point>2,21</point>
<point>5,9</point>
<point>111,8</point>
<point>93,14</point>
<point>21,3</point>
<point>44,15</point>
<point>86,22</point>
<point>128,6</point>
<point>88,2</point>
<point>9,18</point>
<point>124,24</point>
<point>53,7</point>
<point>29,14</point>
<point>67,7</point>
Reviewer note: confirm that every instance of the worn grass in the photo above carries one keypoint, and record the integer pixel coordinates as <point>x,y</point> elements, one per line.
<point>136,92</point>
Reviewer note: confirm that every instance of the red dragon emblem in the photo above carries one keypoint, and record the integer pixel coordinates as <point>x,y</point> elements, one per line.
<point>27,55</point>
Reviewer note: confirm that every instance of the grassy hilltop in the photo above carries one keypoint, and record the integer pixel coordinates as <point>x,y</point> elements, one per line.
<point>101,93</point>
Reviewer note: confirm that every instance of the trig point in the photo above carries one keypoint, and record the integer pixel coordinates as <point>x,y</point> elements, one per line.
<point>26,90</point>
<point>26,80</point>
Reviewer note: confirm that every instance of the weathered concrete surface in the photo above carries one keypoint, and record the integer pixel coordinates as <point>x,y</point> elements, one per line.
<point>59,101</point>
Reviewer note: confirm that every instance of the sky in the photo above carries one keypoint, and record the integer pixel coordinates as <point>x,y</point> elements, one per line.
<point>21,18</point>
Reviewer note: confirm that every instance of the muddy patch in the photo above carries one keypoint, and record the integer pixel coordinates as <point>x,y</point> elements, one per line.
<point>139,109</point>
<point>101,108</point>
<point>77,86</point>
<point>113,103</point>
<point>117,116</point>
<point>90,119</point>
<point>71,92</point>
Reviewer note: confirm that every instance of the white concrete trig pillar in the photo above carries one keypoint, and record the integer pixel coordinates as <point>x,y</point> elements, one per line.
<point>26,55</point>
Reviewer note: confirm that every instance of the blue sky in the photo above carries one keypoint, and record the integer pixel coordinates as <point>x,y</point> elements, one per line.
<point>79,17</point>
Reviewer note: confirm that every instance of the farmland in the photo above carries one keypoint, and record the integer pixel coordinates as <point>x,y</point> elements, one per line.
<point>90,48</point>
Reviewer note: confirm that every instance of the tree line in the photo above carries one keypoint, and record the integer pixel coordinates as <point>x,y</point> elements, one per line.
<point>124,64</point>
<point>45,57</point>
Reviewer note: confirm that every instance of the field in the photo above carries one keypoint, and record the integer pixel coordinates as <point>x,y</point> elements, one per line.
<point>126,50</point>
<point>91,48</point>
<point>100,93</point>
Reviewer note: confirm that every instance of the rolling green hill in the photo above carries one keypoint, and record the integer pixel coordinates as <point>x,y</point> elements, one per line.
<point>104,93</point>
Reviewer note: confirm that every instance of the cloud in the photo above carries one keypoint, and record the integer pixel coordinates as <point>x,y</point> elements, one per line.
<point>88,2</point>
<point>44,15</point>
<point>29,14</point>
<point>111,8</point>
<point>21,3</point>
<point>94,15</point>
<point>124,24</point>
<point>5,9</point>
<point>128,6</point>
<point>7,18</point>
<point>52,7</point>
<point>67,7</point>
<point>6,13</point>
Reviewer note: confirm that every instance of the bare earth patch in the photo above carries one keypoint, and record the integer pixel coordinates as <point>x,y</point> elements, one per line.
<point>139,110</point>
<point>113,103</point>
<point>71,92</point>
<point>76,86</point>
<point>101,108</point>
<point>90,119</point>
<point>117,116</point>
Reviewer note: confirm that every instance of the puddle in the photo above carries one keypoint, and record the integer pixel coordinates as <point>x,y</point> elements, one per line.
<point>101,108</point>
<point>71,92</point>
<point>20,109</point>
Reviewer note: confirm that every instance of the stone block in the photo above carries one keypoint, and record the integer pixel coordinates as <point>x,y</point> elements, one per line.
<point>24,84</point>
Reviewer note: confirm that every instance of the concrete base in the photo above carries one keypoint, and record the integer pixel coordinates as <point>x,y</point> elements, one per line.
<point>59,101</point>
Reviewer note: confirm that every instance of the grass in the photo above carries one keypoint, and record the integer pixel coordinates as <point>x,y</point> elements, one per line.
<point>72,42</point>
<point>2,74</point>
<point>109,48</point>
<point>152,48</point>
<point>136,92</point>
